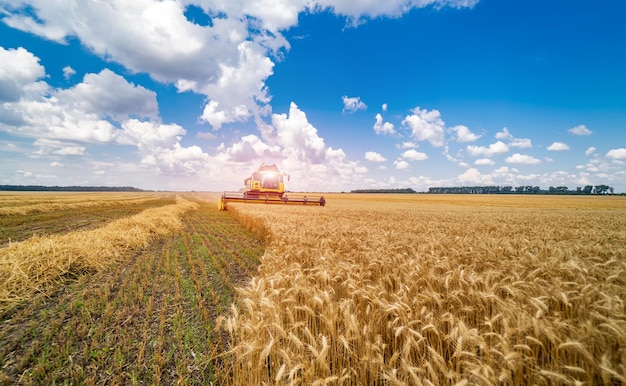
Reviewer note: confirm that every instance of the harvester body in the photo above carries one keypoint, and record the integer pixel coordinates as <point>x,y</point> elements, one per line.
<point>267,179</point>
<point>266,185</point>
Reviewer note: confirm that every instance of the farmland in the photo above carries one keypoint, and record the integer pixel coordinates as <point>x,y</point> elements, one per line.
<point>435,290</point>
<point>139,309</point>
<point>371,289</point>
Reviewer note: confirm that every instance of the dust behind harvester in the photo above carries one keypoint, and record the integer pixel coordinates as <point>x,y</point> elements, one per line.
<point>266,186</point>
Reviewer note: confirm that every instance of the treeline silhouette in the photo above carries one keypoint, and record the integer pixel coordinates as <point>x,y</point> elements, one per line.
<point>495,189</point>
<point>586,190</point>
<point>41,188</point>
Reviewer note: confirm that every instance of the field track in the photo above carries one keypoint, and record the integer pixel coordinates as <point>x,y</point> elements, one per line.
<point>146,320</point>
<point>371,289</point>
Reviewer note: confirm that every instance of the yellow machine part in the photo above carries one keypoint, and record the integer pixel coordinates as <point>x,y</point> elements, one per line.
<point>286,199</point>
<point>256,187</point>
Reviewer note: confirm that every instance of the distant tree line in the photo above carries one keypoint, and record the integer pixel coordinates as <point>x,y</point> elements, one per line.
<point>406,190</point>
<point>41,188</point>
<point>528,189</point>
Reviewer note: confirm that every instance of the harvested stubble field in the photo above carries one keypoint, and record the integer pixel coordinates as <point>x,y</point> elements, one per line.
<point>26,214</point>
<point>131,298</point>
<point>371,289</point>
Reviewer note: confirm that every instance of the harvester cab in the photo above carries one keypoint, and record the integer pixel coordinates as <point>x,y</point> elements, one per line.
<point>266,185</point>
<point>267,179</point>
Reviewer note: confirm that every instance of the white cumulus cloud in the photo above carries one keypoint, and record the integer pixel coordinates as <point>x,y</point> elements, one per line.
<point>87,112</point>
<point>522,159</point>
<point>505,135</point>
<point>109,94</point>
<point>149,135</point>
<point>296,145</point>
<point>406,145</point>
<point>252,148</point>
<point>19,70</point>
<point>414,155</point>
<point>352,104</point>
<point>297,135</point>
<point>102,109</point>
<point>228,60</point>
<point>51,146</point>
<point>473,176</point>
<point>580,130</point>
<point>383,128</point>
<point>240,90</point>
<point>177,160</point>
<point>590,151</point>
<point>558,146</point>
<point>401,164</point>
<point>484,161</point>
<point>616,154</point>
<point>358,10</point>
<point>374,156</point>
<point>68,72</point>
<point>463,134</point>
<point>502,170</point>
<point>426,125</point>
<point>521,143</point>
<point>493,149</point>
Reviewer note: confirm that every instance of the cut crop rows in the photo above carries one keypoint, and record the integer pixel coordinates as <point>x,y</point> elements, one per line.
<point>25,215</point>
<point>146,320</point>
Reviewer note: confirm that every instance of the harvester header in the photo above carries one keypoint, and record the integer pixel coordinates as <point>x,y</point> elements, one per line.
<point>266,186</point>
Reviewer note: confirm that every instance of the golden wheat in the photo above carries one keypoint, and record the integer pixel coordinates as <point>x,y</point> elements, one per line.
<point>435,290</point>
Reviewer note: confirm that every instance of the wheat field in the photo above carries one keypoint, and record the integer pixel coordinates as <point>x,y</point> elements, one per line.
<point>371,289</point>
<point>41,263</point>
<point>121,293</point>
<point>434,290</point>
<point>23,203</point>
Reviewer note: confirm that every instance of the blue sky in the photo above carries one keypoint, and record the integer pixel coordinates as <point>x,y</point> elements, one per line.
<point>195,94</point>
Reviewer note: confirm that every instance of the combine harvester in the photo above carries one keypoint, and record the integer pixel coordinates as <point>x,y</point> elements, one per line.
<point>266,186</point>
